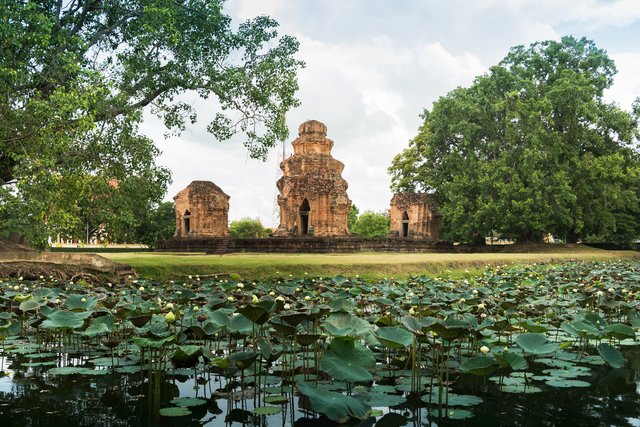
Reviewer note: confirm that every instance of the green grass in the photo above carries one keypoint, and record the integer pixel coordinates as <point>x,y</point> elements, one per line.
<point>368,265</point>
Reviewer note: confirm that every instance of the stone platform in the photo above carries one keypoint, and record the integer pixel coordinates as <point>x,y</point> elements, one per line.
<point>302,245</point>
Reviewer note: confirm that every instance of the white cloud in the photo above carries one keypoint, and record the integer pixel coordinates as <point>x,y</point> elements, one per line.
<point>594,13</point>
<point>626,86</point>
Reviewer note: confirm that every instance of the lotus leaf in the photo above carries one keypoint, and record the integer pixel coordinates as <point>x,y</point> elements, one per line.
<point>176,411</point>
<point>480,365</point>
<point>394,337</point>
<point>61,319</point>
<point>345,324</point>
<point>336,406</point>
<point>186,402</point>
<point>536,344</point>
<point>348,361</point>
<point>611,355</point>
<point>267,410</point>
<point>620,331</point>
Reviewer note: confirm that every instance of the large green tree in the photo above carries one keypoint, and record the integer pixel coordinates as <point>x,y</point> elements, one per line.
<point>75,77</point>
<point>531,147</point>
<point>371,224</point>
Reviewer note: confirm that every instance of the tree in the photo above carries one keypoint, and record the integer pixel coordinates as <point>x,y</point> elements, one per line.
<point>75,77</point>
<point>531,147</point>
<point>247,228</point>
<point>353,216</point>
<point>372,224</point>
<point>159,223</point>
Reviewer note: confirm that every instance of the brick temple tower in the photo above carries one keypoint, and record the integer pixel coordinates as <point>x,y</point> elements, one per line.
<point>313,195</point>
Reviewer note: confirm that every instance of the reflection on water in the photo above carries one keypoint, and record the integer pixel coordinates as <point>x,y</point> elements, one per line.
<point>30,397</point>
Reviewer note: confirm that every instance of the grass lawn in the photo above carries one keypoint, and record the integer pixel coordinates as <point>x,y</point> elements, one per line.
<point>368,265</point>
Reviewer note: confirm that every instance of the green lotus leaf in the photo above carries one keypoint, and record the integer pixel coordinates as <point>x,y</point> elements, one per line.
<point>611,355</point>
<point>511,360</point>
<point>394,337</point>
<point>530,326</point>
<point>22,298</point>
<point>520,389</point>
<point>620,331</point>
<point>75,302</point>
<point>480,365</point>
<point>342,304</point>
<point>634,318</point>
<point>240,325</point>
<point>346,325</point>
<point>175,411</point>
<point>566,383</point>
<point>29,305</point>
<point>381,399</point>
<point>256,313</point>
<point>242,359</point>
<point>186,402</point>
<point>61,319</point>
<point>339,280</point>
<point>348,361</point>
<point>100,325</point>
<point>267,410</point>
<point>336,406</point>
<point>186,356</point>
<point>276,399</point>
<point>451,329</point>
<point>146,342</point>
<point>536,344</point>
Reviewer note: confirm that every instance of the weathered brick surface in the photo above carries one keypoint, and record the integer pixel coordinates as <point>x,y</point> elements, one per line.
<point>414,216</point>
<point>201,211</point>
<point>313,197</point>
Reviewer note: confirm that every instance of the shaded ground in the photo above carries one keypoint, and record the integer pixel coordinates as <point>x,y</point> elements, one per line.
<point>33,270</point>
<point>368,265</point>
<point>21,261</point>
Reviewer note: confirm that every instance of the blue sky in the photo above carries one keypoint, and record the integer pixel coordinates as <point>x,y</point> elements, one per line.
<point>373,66</point>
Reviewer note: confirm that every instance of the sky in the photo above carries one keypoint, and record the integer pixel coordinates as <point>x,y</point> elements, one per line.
<point>372,66</point>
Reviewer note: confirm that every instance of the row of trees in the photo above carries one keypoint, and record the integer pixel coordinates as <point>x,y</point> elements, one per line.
<point>75,77</point>
<point>531,147</point>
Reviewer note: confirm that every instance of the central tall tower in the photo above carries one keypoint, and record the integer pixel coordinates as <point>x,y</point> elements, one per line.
<point>313,195</point>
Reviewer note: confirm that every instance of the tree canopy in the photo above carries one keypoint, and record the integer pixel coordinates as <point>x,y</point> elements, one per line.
<point>371,224</point>
<point>75,77</point>
<point>531,147</point>
<point>247,228</point>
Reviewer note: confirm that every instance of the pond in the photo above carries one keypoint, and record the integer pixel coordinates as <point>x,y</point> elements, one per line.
<point>539,345</point>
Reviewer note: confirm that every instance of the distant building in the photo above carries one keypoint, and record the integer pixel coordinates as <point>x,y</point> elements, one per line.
<point>414,216</point>
<point>201,211</point>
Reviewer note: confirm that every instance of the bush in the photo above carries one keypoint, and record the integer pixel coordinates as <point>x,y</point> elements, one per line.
<point>247,228</point>
<point>372,224</point>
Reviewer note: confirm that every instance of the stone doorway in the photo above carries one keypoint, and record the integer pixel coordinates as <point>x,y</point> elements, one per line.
<point>186,223</point>
<point>405,224</point>
<point>304,217</point>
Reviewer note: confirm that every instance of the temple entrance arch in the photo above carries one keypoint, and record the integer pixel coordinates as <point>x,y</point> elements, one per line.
<point>304,217</point>
<point>186,223</point>
<point>405,224</point>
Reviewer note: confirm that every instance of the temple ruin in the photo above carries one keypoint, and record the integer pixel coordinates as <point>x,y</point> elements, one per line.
<point>414,216</point>
<point>313,197</point>
<point>201,211</point>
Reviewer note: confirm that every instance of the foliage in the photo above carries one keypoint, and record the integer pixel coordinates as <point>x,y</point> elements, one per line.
<point>75,77</point>
<point>531,147</point>
<point>157,223</point>
<point>353,216</point>
<point>247,228</point>
<point>309,336</point>
<point>371,224</point>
